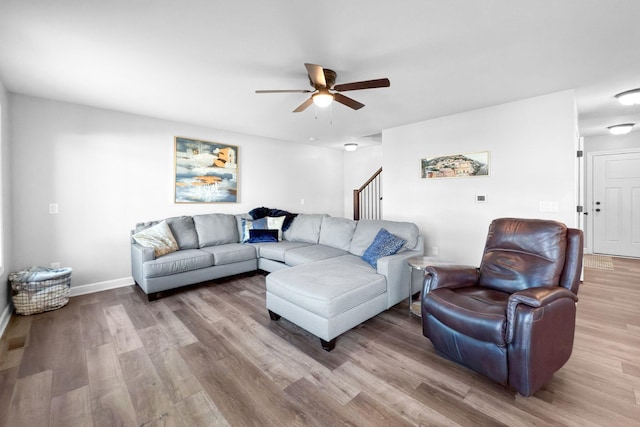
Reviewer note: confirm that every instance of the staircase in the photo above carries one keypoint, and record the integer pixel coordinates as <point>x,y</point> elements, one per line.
<point>367,200</point>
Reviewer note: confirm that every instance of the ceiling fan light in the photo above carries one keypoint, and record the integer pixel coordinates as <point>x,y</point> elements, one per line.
<point>630,97</point>
<point>351,146</point>
<point>322,99</point>
<point>621,129</point>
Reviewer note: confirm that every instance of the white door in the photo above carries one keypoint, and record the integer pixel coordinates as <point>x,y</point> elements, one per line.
<point>616,204</point>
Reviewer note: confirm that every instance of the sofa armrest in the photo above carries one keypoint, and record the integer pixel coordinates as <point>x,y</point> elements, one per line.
<point>397,273</point>
<point>139,255</point>
<point>450,276</point>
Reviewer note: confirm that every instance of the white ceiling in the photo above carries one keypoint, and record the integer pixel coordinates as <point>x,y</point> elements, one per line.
<point>200,61</point>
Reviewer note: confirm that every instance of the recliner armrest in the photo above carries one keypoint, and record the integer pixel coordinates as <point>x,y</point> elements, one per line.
<point>450,276</point>
<point>534,297</point>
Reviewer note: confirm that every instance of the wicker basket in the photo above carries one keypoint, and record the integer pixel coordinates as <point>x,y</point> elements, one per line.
<point>31,295</point>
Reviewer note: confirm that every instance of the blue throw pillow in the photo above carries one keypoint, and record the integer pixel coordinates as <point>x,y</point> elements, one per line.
<point>384,244</point>
<point>247,225</point>
<point>257,236</point>
<point>260,224</point>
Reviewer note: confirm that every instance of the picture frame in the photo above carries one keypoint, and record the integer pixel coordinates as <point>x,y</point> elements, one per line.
<point>456,166</point>
<point>205,171</point>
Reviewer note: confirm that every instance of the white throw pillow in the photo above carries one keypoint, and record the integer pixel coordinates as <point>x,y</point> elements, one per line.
<point>275,223</point>
<point>158,237</point>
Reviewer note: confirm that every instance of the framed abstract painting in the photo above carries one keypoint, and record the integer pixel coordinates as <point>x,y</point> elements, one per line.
<point>205,172</point>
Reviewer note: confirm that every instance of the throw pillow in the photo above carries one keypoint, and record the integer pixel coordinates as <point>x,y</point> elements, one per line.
<point>275,223</point>
<point>257,236</point>
<point>158,237</point>
<point>247,225</point>
<point>256,224</point>
<point>260,224</point>
<point>384,244</point>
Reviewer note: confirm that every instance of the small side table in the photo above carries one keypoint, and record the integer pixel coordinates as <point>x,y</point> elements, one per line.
<point>420,263</point>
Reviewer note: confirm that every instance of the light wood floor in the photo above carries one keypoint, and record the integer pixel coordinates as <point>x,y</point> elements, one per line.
<point>211,356</point>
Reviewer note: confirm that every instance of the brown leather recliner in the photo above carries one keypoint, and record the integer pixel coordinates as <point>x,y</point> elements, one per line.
<point>512,319</point>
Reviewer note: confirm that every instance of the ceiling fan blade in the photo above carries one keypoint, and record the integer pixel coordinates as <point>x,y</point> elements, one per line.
<point>304,105</point>
<point>345,100</point>
<point>366,84</point>
<point>316,73</point>
<point>284,91</point>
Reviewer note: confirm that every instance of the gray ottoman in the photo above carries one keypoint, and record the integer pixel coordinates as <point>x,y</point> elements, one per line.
<point>328,297</point>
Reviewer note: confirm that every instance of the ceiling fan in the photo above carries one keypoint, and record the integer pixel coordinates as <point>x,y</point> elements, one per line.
<point>323,80</point>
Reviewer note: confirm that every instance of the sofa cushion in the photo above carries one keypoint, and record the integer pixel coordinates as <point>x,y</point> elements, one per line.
<point>231,253</point>
<point>275,250</point>
<point>384,244</point>
<point>311,253</point>
<point>328,287</point>
<point>337,232</point>
<point>184,230</point>
<point>473,311</point>
<point>216,229</point>
<point>367,229</point>
<point>305,228</point>
<point>177,262</point>
<point>158,237</point>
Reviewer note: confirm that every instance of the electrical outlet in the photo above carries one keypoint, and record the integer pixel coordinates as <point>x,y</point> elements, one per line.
<point>435,251</point>
<point>549,206</point>
<point>302,201</point>
<point>53,208</point>
<point>55,264</point>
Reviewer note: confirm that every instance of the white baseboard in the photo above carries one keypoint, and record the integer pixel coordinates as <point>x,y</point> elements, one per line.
<point>101,286</point>
<point>5,317</point>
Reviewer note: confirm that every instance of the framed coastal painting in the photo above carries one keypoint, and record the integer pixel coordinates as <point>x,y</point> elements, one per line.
<point>206,172</point>
<point>456,165</point>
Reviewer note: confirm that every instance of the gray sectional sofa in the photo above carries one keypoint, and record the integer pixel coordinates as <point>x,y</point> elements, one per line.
<point>316,277</point>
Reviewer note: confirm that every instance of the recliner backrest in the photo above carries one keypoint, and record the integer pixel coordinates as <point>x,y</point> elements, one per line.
<point>523,253</point>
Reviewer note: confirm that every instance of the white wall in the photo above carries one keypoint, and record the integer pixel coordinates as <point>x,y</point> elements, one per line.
<point>109,170</point>
<point>532,146</point>
<point>5,206</point>
<point>359,166</point>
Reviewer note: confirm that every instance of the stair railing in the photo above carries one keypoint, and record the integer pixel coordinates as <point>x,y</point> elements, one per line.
<point>367,200</point>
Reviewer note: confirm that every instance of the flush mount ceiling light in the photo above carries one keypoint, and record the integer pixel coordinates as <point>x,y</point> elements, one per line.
<point>322,99</point>
<point>351,146</point>
<point>630,97</point>
<point>621,129</point>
